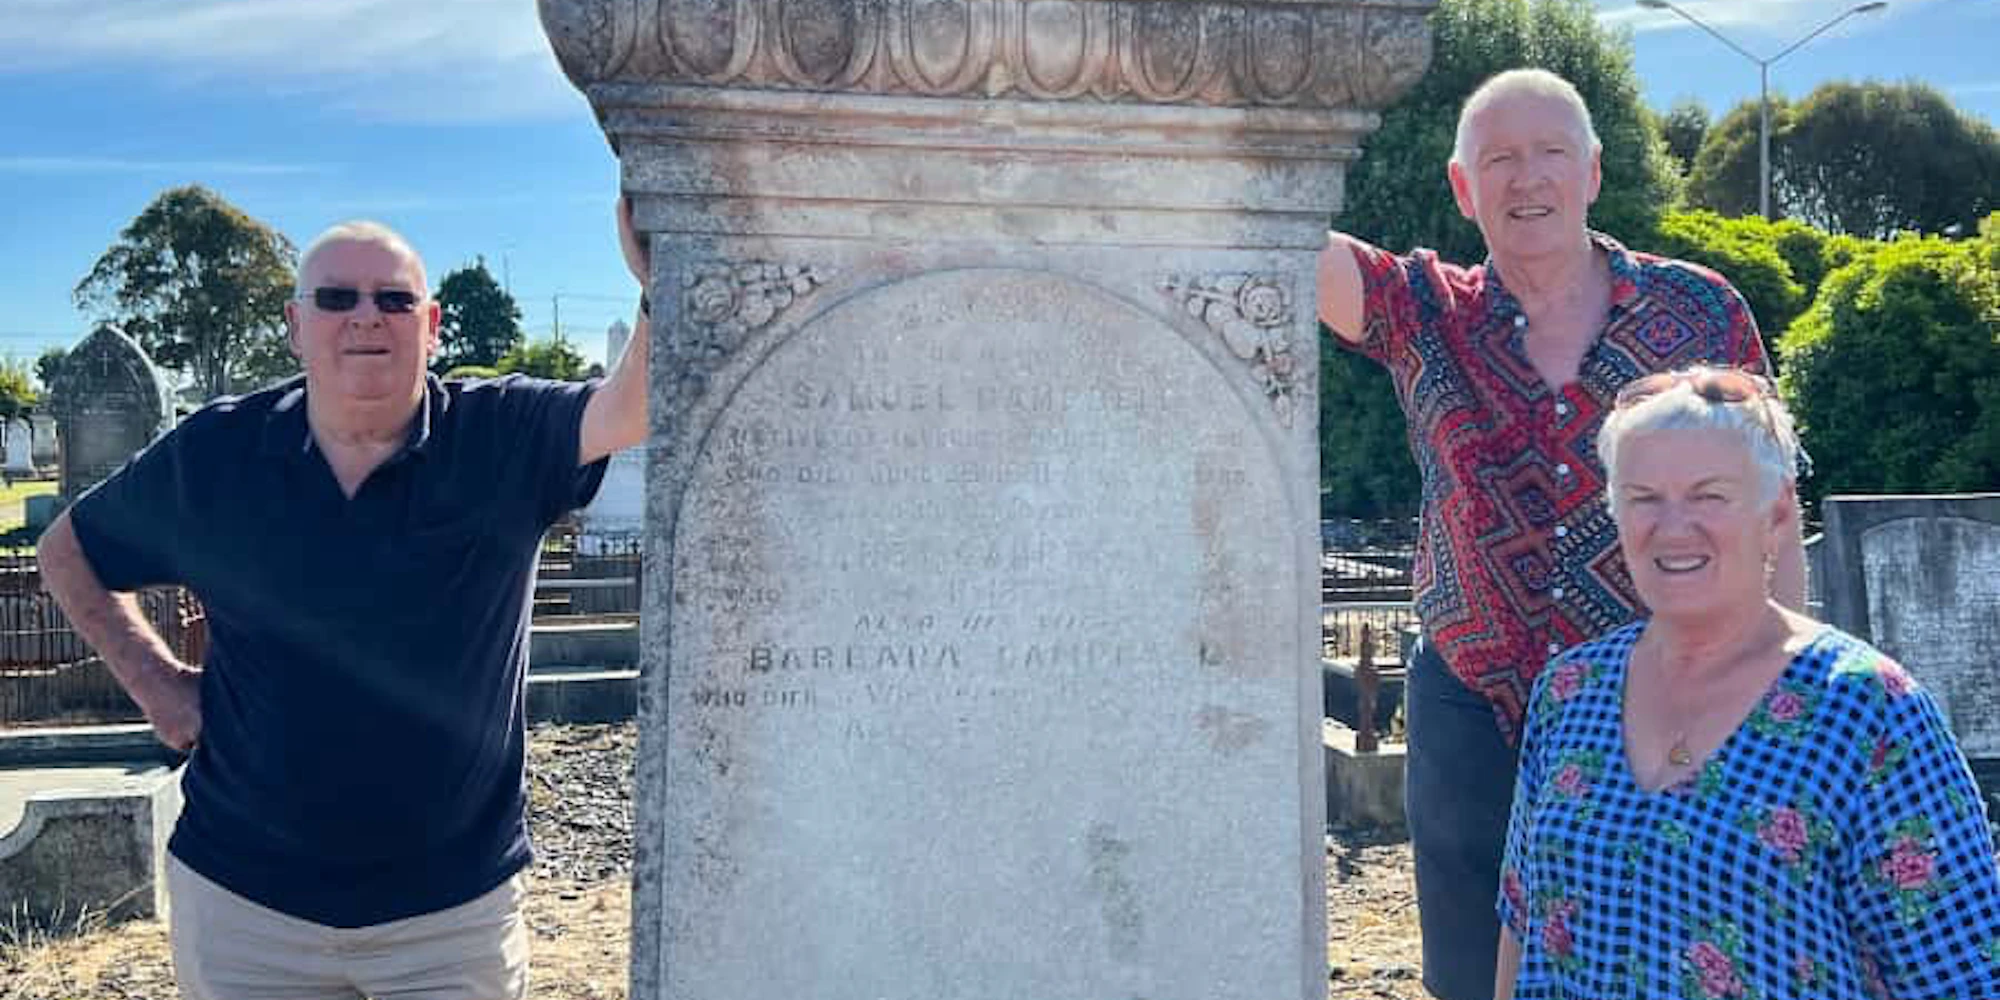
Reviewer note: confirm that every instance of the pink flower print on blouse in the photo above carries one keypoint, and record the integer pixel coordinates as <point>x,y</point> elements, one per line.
<point>1565,681</point>
<point>1909,867</point>
<point>1571,782</point>
<point>1712,965</point>
<point>1576,772</point>
<point>1883,757</point>
<point>1556,937</point>
<point>1784,831</point>
<point>1792,832</point>
<point>1715,974</point>
<point>1896,681</point>
<point>1908,870</point>
<point>1517,900</point>
<point>1785,713</point>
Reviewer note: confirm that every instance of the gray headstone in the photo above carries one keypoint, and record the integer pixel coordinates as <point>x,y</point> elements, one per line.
<point>1920,578</point>
<point>17,439</point>
<point>109,403</point>
<point>981,612</point>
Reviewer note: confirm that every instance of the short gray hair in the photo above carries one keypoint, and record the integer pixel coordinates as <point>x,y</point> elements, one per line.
<point>354,231</point>
<point>1763,425</point>
<point>1521,83</point>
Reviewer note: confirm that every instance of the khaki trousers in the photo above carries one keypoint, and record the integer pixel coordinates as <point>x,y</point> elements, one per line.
<point>226,947</point>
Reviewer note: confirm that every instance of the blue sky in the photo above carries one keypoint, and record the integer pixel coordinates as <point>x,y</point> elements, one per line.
<point>449,120</point>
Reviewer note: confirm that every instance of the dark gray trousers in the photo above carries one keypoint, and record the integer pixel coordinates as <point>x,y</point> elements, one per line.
<point>1458,787</point>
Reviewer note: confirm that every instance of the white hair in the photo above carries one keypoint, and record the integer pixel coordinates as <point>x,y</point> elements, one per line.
<point>1763,425</point>
<point>354,231</point>
<point>1516,83</point>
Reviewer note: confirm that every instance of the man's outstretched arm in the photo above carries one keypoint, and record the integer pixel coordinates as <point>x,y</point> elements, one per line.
<point>1340,289</point>
<point>615,417</point>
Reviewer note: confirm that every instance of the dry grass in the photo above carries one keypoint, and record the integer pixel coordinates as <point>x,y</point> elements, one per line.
<point>579,941</point>
<point>581,932</point>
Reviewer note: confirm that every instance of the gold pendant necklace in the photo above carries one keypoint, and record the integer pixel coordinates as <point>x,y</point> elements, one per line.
<point>1679,755</point>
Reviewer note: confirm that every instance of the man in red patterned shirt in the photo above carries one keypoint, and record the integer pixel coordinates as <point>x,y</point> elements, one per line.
<point>1505,371</point>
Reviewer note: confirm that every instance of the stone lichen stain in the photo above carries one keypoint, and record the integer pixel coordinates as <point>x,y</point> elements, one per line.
<point>1124,924</point>
<point>1230,731</point>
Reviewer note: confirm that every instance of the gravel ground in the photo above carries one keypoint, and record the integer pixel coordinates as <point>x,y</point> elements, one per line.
<point>580,801</point>
<point>579,901</point>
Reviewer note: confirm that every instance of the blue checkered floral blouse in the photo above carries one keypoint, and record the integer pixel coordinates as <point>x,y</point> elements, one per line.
<point>1834,848</point>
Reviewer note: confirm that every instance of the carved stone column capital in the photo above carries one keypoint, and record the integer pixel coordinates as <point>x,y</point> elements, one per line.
<point>1293,53</point>
<point>993,117</point>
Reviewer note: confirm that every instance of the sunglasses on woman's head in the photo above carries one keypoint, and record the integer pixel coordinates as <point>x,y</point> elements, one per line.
<point>1717,385</point>
<point>388,300</point>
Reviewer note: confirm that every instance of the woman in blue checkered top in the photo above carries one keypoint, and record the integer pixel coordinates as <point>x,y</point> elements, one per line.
<point>1730,800</point>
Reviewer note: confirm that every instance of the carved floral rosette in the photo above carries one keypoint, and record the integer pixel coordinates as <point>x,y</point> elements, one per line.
<point>1295,53</point>
<point>1252,313</point>
<point>723,301</point>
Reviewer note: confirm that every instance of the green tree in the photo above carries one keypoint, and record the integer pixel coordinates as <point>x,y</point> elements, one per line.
<point>197,283</point>
<point>1725,172</point>
<point>1894,373</point>
<point>544,359</point>
<point>1682,128</point>
<point>18,397</point>
<point>1871,159</point>
<point>481,322</point>
<point>1398,198</point>
<point>266,360</point>
<point>46,364</point>
<point>1866,159</point>
<point>1365,469</point>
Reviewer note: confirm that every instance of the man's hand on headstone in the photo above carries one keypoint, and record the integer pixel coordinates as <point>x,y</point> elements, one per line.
<point>638,257</point>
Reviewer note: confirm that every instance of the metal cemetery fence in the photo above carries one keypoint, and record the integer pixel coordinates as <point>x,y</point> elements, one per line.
<point>49,676</point>
<point>591,580</point>
<point>1364,581</point>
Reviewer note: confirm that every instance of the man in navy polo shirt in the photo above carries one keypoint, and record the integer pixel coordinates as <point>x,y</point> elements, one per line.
<point>364,540</point>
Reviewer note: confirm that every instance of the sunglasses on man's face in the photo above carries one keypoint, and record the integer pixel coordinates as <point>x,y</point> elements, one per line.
<point>1717,385</point>
<point>388,300</point>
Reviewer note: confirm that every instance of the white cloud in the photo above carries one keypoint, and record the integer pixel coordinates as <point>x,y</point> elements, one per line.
<point>1974,88</point>
<point>116,165</point>
<point>436,60</point>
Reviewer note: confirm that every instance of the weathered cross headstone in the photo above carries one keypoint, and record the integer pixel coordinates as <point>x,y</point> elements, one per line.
<point>1919,576</point>
<point>981,610</point>
<point>109,403</point>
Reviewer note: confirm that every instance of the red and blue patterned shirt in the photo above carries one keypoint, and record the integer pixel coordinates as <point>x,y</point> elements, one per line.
<point>1517,557</point>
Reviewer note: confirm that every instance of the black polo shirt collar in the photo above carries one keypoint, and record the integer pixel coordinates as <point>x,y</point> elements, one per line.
<point>287,432</point>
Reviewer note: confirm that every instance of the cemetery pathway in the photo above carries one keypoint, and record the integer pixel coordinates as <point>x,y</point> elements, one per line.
<point>579,900</point>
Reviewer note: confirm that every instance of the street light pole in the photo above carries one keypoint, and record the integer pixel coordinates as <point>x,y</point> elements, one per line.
<point>1764,140</point>
<point>1764,81</point>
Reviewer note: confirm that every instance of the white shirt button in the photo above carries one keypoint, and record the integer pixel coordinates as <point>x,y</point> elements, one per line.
<point>1562,468</point>
<point>1562,409</point>
<point>1554,648</point>
<point>1520,320</point>
<point>1562,531</point>
<point>1556,593</point>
